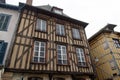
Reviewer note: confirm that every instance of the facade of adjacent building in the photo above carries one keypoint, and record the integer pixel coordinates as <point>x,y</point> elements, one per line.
<point>8,20</point>
<point>49,45</point>
<point>105,52</point>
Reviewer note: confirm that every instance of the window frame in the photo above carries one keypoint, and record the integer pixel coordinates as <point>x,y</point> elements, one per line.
<point>3,22</point>
<point>45,48</point>
<point>84,56</point>
<point>40,28</point>
<point>116,43</point>
<point>62,53</point>
<point>60,33</point>
<point>74,37</point>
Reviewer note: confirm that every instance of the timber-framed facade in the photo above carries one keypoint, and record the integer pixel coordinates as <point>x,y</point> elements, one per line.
<point>22,64</point>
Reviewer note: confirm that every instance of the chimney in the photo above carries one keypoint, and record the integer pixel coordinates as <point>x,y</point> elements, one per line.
<point>29,2</point>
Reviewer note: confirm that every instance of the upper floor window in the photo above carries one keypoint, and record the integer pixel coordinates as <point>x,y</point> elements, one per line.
<point>105,45</point>
<point>62,55</point>
<point>81,57</point>
<point>117,43</point>
<point>57,10</point>
<point>60,29</point>
<point>4,21</point>
<point>41,25</point>
<point>3,46</point>
<point>39,52</point>
<point>76,33</point>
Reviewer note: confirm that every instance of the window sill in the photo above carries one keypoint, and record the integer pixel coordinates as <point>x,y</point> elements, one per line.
<point>60,35</point>
<point>63,65</point>
<point>3,30</point>
<point>77,39</point>
<point>41,31</point>
<point>43,63</point>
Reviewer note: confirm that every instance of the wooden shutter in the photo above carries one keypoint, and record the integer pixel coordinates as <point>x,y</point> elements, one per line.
<point>2,51</point>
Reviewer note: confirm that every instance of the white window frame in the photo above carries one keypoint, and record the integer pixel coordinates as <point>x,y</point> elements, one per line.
<point>2,22</point>
<point>81,56</point>
<point>76,33</point>
<point>60,29</point>
<point>58,11</point>
<point>62,54</point>
<point>37,53</point>
<point>41,25</point>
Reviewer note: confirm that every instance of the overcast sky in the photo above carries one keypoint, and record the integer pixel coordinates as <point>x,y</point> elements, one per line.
<point>97,13</point>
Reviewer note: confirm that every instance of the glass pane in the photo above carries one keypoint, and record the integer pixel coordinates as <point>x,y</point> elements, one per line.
<point>42,54</point>
<point>64,61</point>
<point>42,59</point>
<point>59,57</point>
<point>38,24</point>
<point>35,59</point>
<point>59,61</point>
<point>36,53</point>
<point>58,47</point>
<point>64,57</point>
<point>36,48</point>
<point>42,43</point>
<point>36,43</point>
<point>42,49</point>
<point>59,51</point>
<point>43,25</point>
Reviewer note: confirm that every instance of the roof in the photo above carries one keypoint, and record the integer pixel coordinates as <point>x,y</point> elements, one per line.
<point>49,8</point>
<point>107,28</point>
<point>8,6</point>
<point>46,9</point>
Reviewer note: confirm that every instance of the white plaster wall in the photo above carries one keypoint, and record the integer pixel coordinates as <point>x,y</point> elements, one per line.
<point>7,35</point>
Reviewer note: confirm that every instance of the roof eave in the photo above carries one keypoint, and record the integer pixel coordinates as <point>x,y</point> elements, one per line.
<point>84,24</point>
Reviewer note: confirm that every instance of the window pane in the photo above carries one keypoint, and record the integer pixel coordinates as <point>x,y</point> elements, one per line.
<point>35,59</point>
<point>39,51</point>
<point>80,55</point>
<point>42,54</point>
<point>62,55</point>
<point>60,29</point>
<point>41,25</point>
<point>76,33</point>
<point>42,59</point>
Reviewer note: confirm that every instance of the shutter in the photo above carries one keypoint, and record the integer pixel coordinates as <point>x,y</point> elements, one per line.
<point>2,51</point>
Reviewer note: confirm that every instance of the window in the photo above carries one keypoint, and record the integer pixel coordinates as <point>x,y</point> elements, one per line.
<point>3,46</point>
<point>81,57</point>
<point>117,43</point>
<point>76,33</point>
<point>112,64</point>
<point>35,78</point>
<point>62,55</point>
<point>58,11</point>
<point>39,52</point>
<point>60,29</point>
<point>58,78</point>
<point>41,25</point>
<point>4,21</point>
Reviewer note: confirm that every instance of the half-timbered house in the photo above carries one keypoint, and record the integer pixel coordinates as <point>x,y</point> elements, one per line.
<point>49,45</point>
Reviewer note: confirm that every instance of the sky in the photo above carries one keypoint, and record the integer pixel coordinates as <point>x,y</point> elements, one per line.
<point>98,13</point>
